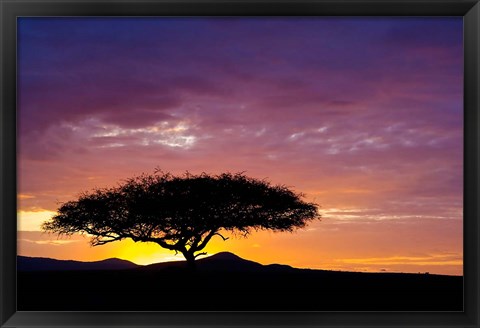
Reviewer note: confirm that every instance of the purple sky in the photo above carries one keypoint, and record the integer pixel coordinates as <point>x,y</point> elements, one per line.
<point>363,115</point>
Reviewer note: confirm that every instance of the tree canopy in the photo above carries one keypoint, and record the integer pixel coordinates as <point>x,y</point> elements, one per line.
<point>182,213</point>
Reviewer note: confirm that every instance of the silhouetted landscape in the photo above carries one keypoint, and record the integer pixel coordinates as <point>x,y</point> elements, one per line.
<point>318,142</point>
<point>25,263</point>
<point>225,282</point>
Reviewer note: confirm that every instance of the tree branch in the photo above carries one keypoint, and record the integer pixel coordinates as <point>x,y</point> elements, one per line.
<point>159,241</point>
<point>105,241</point>
<point>164,244</point>
<point>218,234</point>
<point>206,240</point>
<point>199,254</point>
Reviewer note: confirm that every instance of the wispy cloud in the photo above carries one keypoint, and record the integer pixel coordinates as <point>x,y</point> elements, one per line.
<point>435,259</point>
<point>58,242</point>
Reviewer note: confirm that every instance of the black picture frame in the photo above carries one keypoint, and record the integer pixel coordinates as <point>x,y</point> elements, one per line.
<point>10,10</point>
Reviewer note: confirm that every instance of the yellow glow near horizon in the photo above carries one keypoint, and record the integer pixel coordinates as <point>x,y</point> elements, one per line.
<point>331,244</point>
<point>261,247</point>
<point>149,253</point>
<point>415,260</point>
<point>145,253</point>
<point>32,220</point>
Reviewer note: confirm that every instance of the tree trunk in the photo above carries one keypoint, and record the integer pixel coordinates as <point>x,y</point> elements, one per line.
<point>191,264</point>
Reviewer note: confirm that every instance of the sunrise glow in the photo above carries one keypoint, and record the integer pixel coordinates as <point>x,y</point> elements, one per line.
<point>362,115</point>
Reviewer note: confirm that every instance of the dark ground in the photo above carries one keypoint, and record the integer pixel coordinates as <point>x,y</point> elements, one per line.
<point>293,290</point>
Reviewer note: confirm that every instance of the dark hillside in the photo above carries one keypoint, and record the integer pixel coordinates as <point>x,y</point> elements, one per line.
<point>25,263</point>
<point>225,282</point>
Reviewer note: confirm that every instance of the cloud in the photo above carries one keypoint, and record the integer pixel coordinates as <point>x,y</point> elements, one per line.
<point>363,115</point>
<point>49,242</point>
<point>32,220</point>
<point>25,196</point>
<point>435,259</point>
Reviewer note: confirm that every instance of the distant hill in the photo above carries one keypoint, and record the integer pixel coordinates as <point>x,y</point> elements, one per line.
<point>220,262</point>
<point>223,261</point>
<point>25,263</point>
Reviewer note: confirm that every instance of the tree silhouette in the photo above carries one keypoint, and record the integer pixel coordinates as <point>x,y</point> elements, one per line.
<point>182,213</point>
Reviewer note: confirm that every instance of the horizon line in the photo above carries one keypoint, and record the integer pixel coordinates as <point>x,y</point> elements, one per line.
<point>207,256</point>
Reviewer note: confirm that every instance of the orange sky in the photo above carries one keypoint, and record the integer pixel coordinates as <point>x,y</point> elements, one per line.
<point>362,115</point>
<point>389,246</point>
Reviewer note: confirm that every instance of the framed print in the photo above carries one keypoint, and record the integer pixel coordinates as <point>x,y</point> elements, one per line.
<point>229,163</point>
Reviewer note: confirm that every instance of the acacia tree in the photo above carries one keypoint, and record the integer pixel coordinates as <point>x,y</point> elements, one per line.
<point>182,213</point>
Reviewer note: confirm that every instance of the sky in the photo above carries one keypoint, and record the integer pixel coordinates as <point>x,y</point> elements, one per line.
<point>364,115</point>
